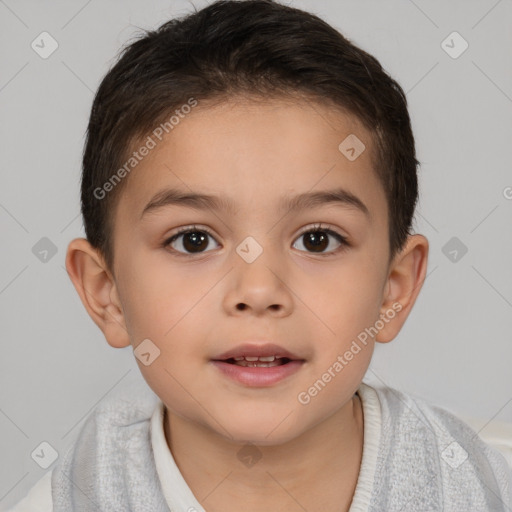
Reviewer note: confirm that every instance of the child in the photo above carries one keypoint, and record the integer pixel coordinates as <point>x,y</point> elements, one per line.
<point>248,188</point>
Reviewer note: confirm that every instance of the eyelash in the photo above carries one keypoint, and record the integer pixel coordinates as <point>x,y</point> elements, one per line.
<point>317,227</point>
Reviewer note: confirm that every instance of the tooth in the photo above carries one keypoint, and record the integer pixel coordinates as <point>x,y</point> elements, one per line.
<point>257,364</point>
<point>248,358</point>
<point>267,358</point>
<point>239,358</point>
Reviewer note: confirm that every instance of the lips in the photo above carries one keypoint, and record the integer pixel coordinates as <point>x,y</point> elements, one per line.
<point>258,350</point>
<point>258,364</point>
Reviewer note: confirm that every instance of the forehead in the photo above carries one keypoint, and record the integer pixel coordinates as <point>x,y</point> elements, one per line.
<point>254,152</point>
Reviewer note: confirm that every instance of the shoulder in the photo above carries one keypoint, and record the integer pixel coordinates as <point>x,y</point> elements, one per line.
<point>112,423</point>
<point>39,497</point>
<point>406,409</point>
<point>427,443</point>
<point>436,424</point>
<point>122,412</point>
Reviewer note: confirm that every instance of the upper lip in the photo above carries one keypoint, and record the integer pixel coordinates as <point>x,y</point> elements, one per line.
<point>256,349</point>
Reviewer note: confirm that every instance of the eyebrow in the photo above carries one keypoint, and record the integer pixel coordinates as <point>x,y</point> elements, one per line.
<point>198,201</point>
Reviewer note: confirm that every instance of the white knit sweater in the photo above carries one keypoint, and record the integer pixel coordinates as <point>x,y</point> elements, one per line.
<point>416,457</point>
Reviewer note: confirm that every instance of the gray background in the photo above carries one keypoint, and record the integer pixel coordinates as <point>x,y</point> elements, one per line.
<point>455,349</point>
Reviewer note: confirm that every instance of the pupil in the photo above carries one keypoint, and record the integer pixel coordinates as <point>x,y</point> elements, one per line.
<point>196,238</point>
<point>316,239</point>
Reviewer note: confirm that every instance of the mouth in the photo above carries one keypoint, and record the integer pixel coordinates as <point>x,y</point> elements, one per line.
<point>257,362</point>
<point>257,352</point>
<point>258,365</point>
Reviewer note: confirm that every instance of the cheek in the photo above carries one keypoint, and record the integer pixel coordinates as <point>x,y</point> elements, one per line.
<point>156,296</point>
<point>169,378</point>
<point>344,300</point>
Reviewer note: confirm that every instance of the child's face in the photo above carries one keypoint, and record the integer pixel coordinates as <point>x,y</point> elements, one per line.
<point>195,306</point>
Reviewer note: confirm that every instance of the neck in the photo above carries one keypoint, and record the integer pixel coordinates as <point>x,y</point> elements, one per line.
<point>322,462</point>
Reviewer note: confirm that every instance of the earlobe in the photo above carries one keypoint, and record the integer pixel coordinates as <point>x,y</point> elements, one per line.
<point>405,279</point>
<point>97,290</point>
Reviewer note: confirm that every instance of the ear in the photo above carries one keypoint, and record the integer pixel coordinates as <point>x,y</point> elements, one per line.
<point>98,291</point>
<point>405,279</point>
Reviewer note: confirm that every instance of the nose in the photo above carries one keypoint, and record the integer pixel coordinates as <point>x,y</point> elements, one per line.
<point>259,287</point>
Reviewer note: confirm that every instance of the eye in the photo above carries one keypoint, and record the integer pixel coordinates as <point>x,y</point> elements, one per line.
<point>192,239</point>
<point>317,239</point>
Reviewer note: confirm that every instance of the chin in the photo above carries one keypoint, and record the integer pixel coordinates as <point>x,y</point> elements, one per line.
<point>262,438</point>
<point>269,431</point>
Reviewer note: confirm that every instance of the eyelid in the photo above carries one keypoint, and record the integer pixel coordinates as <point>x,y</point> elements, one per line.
<point>315,227</point>
<point>321,226</point>
<point>185,229</point>
<point>192,227</point>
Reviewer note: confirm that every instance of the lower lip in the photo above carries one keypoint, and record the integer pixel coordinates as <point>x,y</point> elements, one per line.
<point>258,376</point>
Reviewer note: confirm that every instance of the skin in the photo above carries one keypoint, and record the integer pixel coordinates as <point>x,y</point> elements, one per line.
<point>312,304</point>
